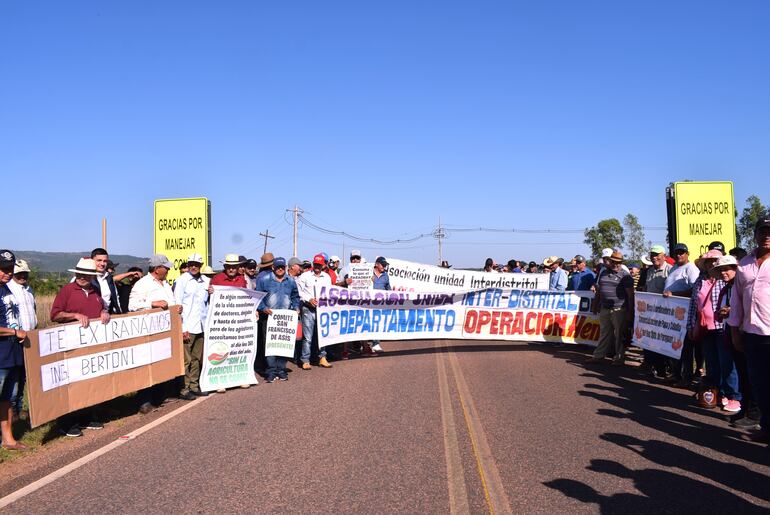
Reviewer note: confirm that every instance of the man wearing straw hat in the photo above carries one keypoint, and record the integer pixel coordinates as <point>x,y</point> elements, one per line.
<point>614,302</point>
<point>79,301</point>
<point>230,276</point>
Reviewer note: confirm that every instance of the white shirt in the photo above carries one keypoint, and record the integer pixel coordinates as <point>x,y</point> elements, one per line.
<point>681,278</point>
<point>26,301</point>
<point>309,284</point>
<point>105,287</point>
<point>191,293</point>
<point>148,290</point>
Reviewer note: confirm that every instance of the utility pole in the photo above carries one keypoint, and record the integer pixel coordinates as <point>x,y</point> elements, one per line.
<point>439,234</point>
<point>104,233</point>
<point>266,234</point>
<point>296,211</point>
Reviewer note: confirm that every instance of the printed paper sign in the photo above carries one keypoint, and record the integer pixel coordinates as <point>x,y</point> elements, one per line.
<point>660,323</point>
<point>281,333</point>
<point>230,342</point>
<point>361,276</point>
<point>408,276</point>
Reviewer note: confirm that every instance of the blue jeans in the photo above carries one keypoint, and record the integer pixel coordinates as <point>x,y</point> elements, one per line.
<point>276,367</point>
<point>10,379</point>
<point>758,361</point>
<point>309,334</point>
<point>720,368</point>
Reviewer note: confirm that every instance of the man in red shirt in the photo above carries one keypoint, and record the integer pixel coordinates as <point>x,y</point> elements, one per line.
<point>79,301</point>
<point>230,277</point>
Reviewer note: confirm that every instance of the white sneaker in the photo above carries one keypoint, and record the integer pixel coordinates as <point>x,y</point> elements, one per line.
<point>377,348</point>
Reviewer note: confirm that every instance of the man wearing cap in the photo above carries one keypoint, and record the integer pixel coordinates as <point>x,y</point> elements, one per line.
<point>614,302</point>
<point>11,355</point>
<point>558,278</point>
<point>583,278</point>
<point>19,286</point>
<point>153,290</point>
<point>749,321</point>
<point>294,267</point>
<point>309,286</point>
<point>532,267</point>
<point>380,281</point>
<point>282,293</point>
<point>230,276</point>
<point>682,276</point>
<point>655,282</point>
<point>191,293</point>
<point>343,278</point>
<point>250,273</point>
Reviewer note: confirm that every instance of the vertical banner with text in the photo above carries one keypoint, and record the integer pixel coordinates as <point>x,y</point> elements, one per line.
<point>230,342</point>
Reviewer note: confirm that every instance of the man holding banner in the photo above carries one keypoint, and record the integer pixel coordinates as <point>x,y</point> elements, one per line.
<point>309,285</point>
<point>190,293</point>
<point>282,293</point>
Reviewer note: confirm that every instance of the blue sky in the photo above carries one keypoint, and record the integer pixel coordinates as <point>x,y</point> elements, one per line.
<point>375,119</point>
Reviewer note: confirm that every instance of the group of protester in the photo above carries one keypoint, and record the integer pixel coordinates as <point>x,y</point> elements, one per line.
<point>726,352</point>
<point>96,292</point>
<point>727,348</point>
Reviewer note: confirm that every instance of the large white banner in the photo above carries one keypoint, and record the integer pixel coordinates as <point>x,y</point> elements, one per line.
<point>408,276</point>
<point>660,323</point>
<point>492,314</point>
<point>230,343</point>
<point>281,333</point>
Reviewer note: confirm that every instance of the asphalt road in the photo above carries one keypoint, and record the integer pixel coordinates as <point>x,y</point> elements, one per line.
<point>429,427</point>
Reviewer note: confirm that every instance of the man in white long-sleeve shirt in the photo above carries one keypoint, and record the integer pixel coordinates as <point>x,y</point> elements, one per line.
<point>153,291</point>
<point>309,285</point>
<point>190,293</point>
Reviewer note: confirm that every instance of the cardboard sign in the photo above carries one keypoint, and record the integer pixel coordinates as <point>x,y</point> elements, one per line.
<point>281,333</point>
<point>100,362</point>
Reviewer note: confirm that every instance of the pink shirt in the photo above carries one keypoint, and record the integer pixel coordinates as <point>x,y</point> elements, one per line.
<point>704,303</point>
<point>750,309</point>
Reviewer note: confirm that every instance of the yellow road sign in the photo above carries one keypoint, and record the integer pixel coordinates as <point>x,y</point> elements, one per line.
<point>182,227</point>
<point>705,212</point>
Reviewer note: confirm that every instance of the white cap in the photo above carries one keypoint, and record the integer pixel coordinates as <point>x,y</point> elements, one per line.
<point>355,252</point>
<point>197,258</point>
<point>20,266</point>
<point>606,253</point>
<point>334,258</point>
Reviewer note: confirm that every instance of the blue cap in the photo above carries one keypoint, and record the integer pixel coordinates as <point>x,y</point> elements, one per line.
<point>279,263</point>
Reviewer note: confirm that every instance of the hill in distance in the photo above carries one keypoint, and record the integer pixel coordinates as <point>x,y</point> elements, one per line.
<point>62,261</point>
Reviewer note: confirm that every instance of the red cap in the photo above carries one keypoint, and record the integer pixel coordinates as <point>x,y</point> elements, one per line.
<point>318,259</point>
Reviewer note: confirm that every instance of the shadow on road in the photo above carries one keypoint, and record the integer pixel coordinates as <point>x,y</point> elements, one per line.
<point>660,492</point>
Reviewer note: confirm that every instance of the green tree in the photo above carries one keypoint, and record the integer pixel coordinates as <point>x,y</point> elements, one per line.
<point>607,233</point>
<point>634,236</point>
<point>753,211</point>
